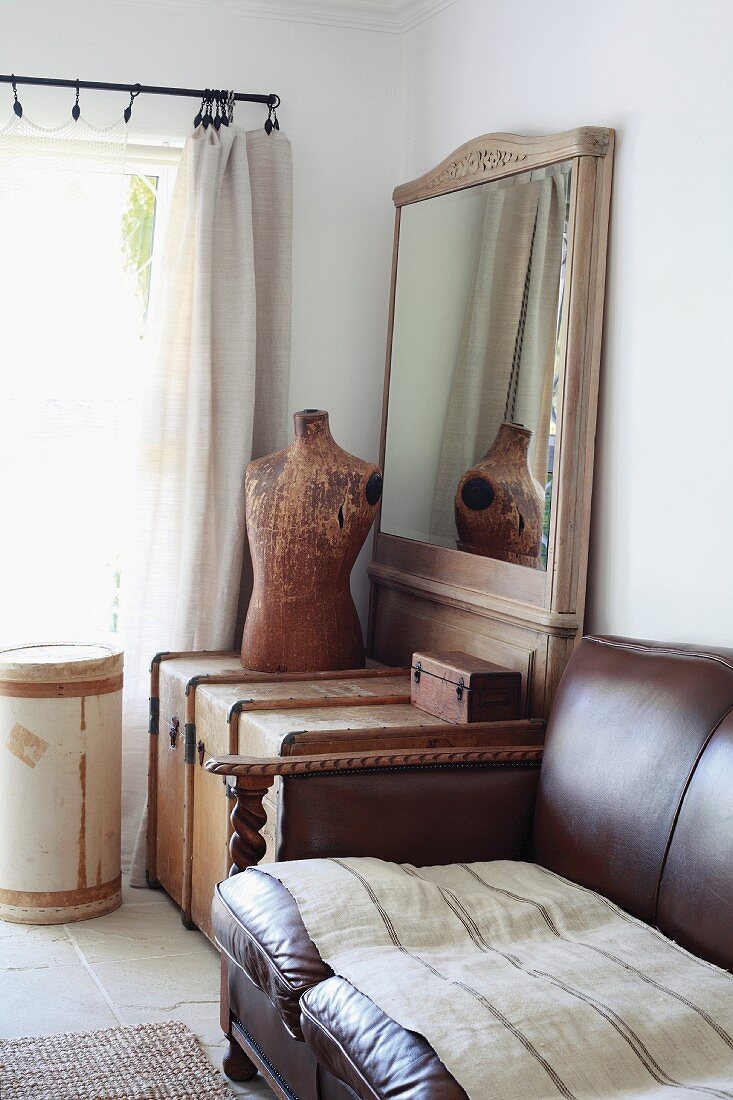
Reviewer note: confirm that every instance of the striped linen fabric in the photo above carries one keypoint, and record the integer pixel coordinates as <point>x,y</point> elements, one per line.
<point>526,985</point>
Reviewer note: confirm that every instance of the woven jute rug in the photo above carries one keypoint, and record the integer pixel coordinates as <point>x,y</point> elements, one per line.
<point>146,1062</point>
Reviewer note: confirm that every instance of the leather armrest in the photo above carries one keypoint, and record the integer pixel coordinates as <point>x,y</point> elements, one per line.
<point>457,812</point>
<point>362,1047</point>
<point>423,807</point>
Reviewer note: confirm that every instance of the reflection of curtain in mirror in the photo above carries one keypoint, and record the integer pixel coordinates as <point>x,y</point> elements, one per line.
<point>512,249</point>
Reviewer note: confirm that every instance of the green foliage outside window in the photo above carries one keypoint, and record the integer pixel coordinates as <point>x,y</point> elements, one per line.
<point>138,229</point>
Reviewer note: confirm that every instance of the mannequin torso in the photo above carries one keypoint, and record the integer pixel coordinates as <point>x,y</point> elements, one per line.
<point>309,509</point>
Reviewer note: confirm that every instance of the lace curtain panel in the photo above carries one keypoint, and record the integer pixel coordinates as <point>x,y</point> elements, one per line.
<point>73,148</point>
<point>70,353</point>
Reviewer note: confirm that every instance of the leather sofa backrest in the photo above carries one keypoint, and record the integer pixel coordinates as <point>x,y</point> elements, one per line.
<point>696,893</point>
<point>628,725</point>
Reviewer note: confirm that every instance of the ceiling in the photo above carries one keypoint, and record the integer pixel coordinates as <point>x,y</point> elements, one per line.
<point>391,16</point>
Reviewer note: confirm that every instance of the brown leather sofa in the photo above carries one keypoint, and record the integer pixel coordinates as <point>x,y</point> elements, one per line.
<point>633,799</point>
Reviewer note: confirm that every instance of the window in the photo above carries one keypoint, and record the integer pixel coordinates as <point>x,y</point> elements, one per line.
<point>75,281</point>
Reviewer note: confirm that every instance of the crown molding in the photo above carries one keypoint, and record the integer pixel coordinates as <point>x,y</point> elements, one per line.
<point>410,13</point>
<point>386,16</point>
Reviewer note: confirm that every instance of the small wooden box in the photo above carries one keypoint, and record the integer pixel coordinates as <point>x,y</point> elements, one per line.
<point>460,688</point>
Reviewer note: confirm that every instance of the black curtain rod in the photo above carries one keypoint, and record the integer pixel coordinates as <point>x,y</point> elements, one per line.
<point>271,100</point>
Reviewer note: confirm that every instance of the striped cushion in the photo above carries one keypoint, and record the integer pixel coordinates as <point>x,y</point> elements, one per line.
<point>526,985</point>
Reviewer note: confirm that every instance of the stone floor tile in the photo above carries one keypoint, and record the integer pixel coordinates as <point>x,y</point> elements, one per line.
<point>183,987</point>
<point>136,931</point>
<point>24,946</point>
<point>50,1001</point>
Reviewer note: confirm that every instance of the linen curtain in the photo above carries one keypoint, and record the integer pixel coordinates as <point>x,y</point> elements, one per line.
<point>215,397</point>
<point>516,284</point>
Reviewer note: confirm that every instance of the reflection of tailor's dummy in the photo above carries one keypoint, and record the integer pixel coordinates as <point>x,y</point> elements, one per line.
<point>309,509</point>
<point>499,504</point>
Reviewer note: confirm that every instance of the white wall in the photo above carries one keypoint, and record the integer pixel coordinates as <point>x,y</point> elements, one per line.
<point>660,74</point>
<point>337,86</point>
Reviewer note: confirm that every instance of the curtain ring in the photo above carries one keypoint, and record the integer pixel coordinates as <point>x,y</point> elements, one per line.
<point>17,105</point>
<point>208,104</point>
<point>217,113</point>
<point>76,109</point>
<point>272,122</point>
<point>134,93</point>
<point>200,112</point>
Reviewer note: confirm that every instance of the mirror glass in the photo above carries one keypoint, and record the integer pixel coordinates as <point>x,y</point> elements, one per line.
<point>471,415</point>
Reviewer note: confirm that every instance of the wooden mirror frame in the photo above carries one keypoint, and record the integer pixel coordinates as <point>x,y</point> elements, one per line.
<point>427,596</point>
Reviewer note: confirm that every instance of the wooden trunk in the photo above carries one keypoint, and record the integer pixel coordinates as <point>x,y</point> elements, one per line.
<point>261,719</point>
<point>171,755</point>
<point>60,790</point>
<point>458,687</point>
<point>205,705</point>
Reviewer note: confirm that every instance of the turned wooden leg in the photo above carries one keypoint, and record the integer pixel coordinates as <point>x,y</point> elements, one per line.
<point>247,845</point>
<point>235,1063</point>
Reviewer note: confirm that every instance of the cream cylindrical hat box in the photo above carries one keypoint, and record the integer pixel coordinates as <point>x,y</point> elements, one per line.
<point>60,782</point>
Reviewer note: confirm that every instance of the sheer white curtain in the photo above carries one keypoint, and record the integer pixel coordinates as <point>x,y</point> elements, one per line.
<point>519,262</point>
<point>70,321</point>
<point>215,397</point>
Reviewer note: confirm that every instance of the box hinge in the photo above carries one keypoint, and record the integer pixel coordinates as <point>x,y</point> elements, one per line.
<point>189,743</point>
<point>154,722</point>
<point>460,689</point>
<point>417,672</point>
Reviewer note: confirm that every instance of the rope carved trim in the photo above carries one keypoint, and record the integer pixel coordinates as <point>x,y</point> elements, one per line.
<point>253,767</point>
